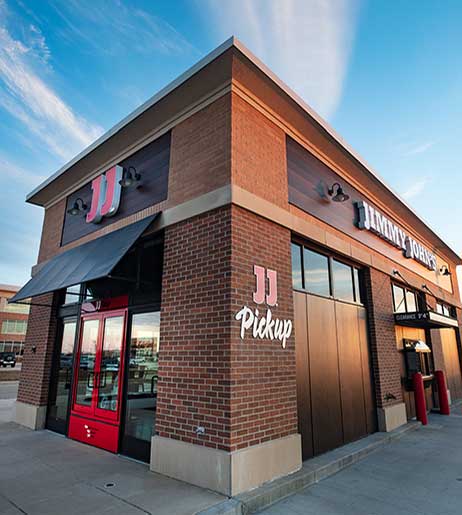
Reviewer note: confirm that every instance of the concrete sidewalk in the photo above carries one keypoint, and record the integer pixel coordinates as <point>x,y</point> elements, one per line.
<point>44,473</point>
<point>421,473</point>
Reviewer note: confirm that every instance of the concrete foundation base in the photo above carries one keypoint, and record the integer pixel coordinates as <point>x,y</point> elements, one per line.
<point>30,416</point>
<point>391,417</point>
<point>229,473</point>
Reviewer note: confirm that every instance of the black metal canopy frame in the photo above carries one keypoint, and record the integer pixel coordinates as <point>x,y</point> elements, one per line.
<point>92,260</point>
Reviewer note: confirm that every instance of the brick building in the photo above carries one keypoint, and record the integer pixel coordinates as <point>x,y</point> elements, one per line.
<point>224,286</point>
<point>13,321</point>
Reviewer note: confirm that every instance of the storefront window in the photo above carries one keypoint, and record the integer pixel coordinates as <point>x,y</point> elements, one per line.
<point>411,302</point>
<point>142,384</point>
<point>404,300</point>
<point>72,294</point>
<point>324,275</point>
<point>316,267</point>
<point>297,279</point>
<point>343,281</point>
<point>399,299</point>
<point>60,383</point>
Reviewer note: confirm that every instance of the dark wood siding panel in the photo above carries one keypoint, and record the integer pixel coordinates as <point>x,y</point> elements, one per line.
<point>325,387</point>
<point>303,375</point>
<point>369,395</point>
<point>152,162</point>
<point>350,372</point>
<point>452,362</point>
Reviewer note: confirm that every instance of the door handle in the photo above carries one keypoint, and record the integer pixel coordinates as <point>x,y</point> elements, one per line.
<point>92,375</point>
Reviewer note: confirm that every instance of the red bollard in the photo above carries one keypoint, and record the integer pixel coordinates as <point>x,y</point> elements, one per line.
<point>419,394</point>
<point>443,399</point>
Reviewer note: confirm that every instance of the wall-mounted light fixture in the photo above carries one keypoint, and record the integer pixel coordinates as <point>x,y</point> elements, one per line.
<point>444,270</point>
<point>79,207</point>
<point>340,195</point>
<point>129,178</point>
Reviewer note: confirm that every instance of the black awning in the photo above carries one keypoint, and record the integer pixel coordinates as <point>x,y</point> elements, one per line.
<point>425,320</point>
<point>87,262</point>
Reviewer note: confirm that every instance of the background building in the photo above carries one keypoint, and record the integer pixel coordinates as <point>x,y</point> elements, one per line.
<point>13,321</point>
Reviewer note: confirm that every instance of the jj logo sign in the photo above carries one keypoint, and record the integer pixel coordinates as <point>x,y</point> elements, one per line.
<point>105,198</point>
<point>265,326</point>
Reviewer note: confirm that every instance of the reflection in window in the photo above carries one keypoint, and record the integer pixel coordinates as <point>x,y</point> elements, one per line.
<point>399,299</point>
<point>411,303</point>
<point>343,281</point>
<point>72,294</point>
<point>142,376</point>
<point>316,272</point>
<point>357,285</point>
<point>297,280</point>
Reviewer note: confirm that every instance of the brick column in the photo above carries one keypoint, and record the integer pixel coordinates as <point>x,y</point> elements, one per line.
<point>226,407</point>
<point>386,364</point>
<point>34,381</point>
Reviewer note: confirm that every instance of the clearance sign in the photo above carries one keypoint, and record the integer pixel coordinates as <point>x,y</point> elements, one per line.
<point>372,220</point>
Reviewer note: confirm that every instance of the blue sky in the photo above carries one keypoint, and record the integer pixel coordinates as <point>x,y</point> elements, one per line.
<point>386,75</point>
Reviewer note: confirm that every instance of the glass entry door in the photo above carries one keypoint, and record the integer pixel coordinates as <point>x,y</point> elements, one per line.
<point>99,372</point>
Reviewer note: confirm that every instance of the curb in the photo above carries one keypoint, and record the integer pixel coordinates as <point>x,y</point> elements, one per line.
<point>312,471</point>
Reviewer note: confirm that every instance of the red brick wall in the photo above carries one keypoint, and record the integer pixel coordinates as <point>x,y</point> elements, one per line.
<point>194,360</point>
<point>264,396</point>
<point>51,231</point>
<point>200,153</point>
<point>385,356</point>
<point>258,154</point>
<point>36,367</point>
<point>242,392</point>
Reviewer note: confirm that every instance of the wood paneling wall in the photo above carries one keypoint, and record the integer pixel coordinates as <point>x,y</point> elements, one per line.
<point>334,389</point>
<point>447,339</point>
<point>152,162</point>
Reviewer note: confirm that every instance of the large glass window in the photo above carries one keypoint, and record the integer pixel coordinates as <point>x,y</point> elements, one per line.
<point>343,281</point>
<point>142,384</point>
<point>316,267</point>
<point>404,300</point>
<point>72,294</point>
<point>324,275</point>
<point>22,309</point>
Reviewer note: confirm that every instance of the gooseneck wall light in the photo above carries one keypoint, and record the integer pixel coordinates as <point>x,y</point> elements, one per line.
<point>444,270</point>
<point>79,207</point>
<point>130,177</point>
<point>337,193</point>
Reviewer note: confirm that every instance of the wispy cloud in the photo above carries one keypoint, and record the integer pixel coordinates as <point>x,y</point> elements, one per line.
<point>415,189</point>
<point>306,42</point>
<point>18,174</point>
<point>419,148</point>
<point>27,96</point>
<point>113,28</point>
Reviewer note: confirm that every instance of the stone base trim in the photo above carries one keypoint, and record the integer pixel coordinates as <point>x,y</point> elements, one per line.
<point>30,416</point>
<point>229,473</point>
<point>391,417</point>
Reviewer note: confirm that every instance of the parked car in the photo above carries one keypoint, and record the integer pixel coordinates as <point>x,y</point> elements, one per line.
<point>8,359</point>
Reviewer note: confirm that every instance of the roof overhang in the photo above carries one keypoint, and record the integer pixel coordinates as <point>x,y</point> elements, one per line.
<point>425,320</point>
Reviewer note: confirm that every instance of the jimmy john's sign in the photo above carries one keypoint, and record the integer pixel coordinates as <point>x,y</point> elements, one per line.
<point>372,220</point>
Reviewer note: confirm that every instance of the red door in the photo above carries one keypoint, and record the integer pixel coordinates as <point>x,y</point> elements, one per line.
<point>95,412</point>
